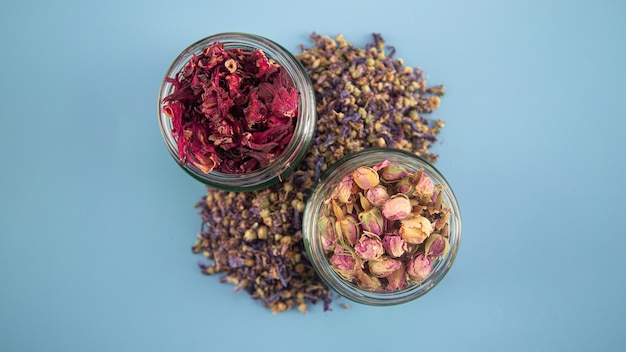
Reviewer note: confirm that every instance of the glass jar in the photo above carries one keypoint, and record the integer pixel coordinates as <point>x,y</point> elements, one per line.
<point>319,201</point>
<point>306,118</point>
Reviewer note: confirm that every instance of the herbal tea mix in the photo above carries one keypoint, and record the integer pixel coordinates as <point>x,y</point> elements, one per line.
<point>365,98</point>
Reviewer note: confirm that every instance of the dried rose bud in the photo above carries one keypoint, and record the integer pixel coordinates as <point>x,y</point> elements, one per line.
<point>404,186</point>
<point>347,230</point>
<point>372,221</point>
<point>367,282</point>
<point>377,196</point>
<point>344,190</point>
<point>397,279</point>
<point>393,172</point>
<point>382,165</point>
<point>365,177</point>
<point>397,207</point>
<point>419,267</point>
<point>415,230</point>
<point>344,263</point>
<point>436,246</point>
<point>384,266</point>
<point>369,247</point>
<point>425,186</point>
<point>326,229</point>
<point>394,245</point>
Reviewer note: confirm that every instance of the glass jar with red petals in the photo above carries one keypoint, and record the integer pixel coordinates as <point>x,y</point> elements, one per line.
<point>237,111</point>
<point>382,227</point>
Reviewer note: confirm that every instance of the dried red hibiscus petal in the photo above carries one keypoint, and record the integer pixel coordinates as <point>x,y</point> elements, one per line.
<point>232,110</point>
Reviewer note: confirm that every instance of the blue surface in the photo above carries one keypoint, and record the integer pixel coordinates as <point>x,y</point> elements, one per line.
<point>97,221</point>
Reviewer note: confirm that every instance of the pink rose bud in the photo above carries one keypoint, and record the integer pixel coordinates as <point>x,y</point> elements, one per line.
<point>384,267</point>
<point>404,186</point>
<point>347,230</point>
<point>365,177</point>
<point>372,221</point>
<point>344,190</point>
<point>343,263</point>
<point>436,246</point>
<point>326,229</point>
<point>419,267</point>
<point>415,230</point>
<point>377,196</point>
<point>369,246</point>
<point>397,207</point>
<point>394,245</point>
<point>397,280</point>
<point>424,186</point>
<point>382,165</point>
<point>393,172</point>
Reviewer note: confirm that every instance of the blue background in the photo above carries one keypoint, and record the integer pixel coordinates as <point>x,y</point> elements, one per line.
<point>97,221</point>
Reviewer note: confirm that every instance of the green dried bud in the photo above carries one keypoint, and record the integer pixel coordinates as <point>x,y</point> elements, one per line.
<point>393,172</point>
<point>372,221</point>
<point>365,177</point>
<point>326,229</point>
<point>404,185</point>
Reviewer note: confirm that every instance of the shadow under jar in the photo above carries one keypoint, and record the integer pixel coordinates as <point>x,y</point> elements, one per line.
<point>382,227</point>
<point>271,167</point>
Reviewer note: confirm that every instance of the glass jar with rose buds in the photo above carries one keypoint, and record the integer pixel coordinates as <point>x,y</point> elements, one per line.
<point>382,227</point>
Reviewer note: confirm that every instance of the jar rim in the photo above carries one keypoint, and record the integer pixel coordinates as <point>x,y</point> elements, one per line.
<point>304,129</point>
